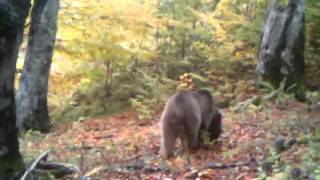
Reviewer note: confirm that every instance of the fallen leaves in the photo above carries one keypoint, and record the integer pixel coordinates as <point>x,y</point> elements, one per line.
<point>118,141</point>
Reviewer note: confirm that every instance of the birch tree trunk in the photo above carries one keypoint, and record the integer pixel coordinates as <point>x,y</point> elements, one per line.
<point>13,14</point>
<point>281,56</point>
<point>32,109</point>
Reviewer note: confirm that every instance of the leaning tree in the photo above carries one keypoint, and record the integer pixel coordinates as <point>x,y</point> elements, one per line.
<point>281,57</point>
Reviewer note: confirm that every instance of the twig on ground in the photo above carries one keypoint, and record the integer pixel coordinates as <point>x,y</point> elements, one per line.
<point>232,165</point>
<point>195,173</point>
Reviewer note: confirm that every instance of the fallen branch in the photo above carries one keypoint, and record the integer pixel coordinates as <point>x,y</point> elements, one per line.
<point>137,165</point>
<point>195,173</point>
<point>226,166</point>
<point>132,157</point>
<point>94,171</point>
<point>34,164</point>
<point>58,170</point>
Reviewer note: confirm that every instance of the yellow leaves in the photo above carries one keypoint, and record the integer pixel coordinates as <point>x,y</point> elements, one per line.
<point>220,33</point>
<point>69,34</point>
<point>225,21</point>
<point>85,81</point>
<point>121,23</point>
<point>99,29</point>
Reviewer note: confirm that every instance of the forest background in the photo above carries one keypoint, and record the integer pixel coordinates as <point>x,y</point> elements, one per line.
<point>129,55</point>
<point>107,53</point>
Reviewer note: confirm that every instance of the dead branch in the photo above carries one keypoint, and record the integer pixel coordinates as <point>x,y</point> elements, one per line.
<point>195,173</point>
<point>58,170</point>
<point>34,164</point>
<point>232,165</point>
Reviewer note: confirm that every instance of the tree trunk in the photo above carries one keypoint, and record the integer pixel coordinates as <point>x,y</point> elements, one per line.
<point>12,18</point>
<point>281,55</point>
<point>32,109</point>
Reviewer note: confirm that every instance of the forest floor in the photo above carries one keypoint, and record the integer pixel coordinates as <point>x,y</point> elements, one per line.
<point>124,147</point>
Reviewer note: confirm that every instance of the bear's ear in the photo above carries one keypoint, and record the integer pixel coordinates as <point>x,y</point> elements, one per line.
<point>215,126</point>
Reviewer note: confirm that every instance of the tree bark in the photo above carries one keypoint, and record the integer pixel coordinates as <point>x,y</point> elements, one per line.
<point>281,56</point>
<point>32,109</point>
<point>13,14</point>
